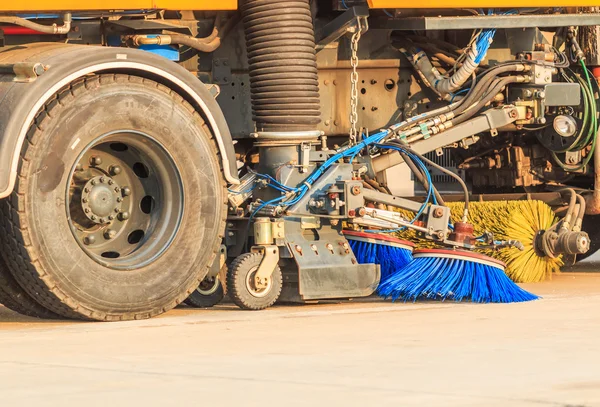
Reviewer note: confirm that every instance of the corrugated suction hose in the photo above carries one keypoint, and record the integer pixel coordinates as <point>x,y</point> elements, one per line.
<point>280,40</point>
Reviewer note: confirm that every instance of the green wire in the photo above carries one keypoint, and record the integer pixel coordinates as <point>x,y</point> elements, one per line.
<point>593,127</point>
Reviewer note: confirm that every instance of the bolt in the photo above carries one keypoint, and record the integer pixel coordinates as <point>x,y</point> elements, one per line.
<point>114,169</point>
<point>527,93</point>
<point>102,180</point>
<point>230,234</point>
<point>334,82</point>
<point>313,247</point>
<point>84,200</point>
<point>374,108</point>
<point>117,190</point>
<point>540,94</point>
<point>355,190</point>
<point>111,217</point>
<point>361,212</point>
<point>547,79</point>
<point>373,82</point>
<point>110,181</point>
<point>93,217</point>
<point>352,213</point>
<point>79,167</point>
<point>86,190</point>
<point>116,210</point>
<point>334,222</point>
<point>336,123</point>
<point>101,220</point>
<point>124,216</point>
<point>298,249</point>
<point>326,82</point>
<point>110,234</point>
<point>513,114</point>
<point>95,160</point>
<point>87,210</point>
<point>438,212</point>
<point>119,199</point>
<point>93,182</point>
<point>89,240</point>
<point>126,191</point>
<point>230,225</point>
<point>217,62</point>
<point>327,122</point>
<point>541,120</point>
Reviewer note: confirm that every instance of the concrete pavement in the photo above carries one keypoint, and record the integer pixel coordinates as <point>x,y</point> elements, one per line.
<point>358,353</point>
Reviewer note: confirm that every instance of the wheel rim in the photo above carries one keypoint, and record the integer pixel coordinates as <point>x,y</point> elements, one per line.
<point>124,200</point>
<point>251,284</point>
<point>208,286</point>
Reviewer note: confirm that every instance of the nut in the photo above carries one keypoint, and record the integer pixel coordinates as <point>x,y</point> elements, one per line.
<point>355,190</point>
<point>438,212</point>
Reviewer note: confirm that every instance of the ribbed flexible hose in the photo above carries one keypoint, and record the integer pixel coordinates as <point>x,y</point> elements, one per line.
<point>280,41</point>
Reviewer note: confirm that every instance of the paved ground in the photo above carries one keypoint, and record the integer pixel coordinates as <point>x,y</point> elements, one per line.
<point>367,353</point>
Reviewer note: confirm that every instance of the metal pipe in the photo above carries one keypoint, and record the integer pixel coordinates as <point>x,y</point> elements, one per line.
<point>45,29</point>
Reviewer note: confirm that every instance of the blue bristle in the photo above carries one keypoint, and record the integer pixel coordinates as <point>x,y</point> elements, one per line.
<point>456,279</point>
<point>390,258</point>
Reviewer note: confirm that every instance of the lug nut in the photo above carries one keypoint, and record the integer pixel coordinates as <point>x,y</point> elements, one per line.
<point>110,234</point>
<point>86,190</point>
<point>110,182</point>
<point>102,179</point>
<point>95,160</point>
<point>93,217</point>
<point>114,169</point>
<point>93,182</point>
<point>89,240</point>
<point>119,199</point>
<point>87,210</point>
<point>117,190</point>
<point>84,200</point>
<point>124,216</point>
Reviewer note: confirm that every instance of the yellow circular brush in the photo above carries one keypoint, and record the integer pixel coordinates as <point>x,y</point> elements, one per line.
<point>507,220</point>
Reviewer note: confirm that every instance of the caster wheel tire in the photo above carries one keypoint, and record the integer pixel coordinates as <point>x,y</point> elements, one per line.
<point>209,293</point>
<point>241,286</point>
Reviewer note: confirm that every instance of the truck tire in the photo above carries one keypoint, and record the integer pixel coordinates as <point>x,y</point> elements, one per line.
<point>210,292</point>
<point>15,298</point>
<point>119,205</point>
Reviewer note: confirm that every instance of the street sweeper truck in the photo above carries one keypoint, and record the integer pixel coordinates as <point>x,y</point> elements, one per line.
<point>161,151</point>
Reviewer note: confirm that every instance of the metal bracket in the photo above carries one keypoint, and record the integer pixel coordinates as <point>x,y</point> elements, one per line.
<point>221,71</point>
<point>23,71</point>
<point>267,265</point>
<point>343,24</point>
<point>214,89</point>
<point>305,157</point>
<point>218,263</point>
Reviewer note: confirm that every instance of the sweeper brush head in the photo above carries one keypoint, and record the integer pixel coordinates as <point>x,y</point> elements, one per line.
<point>389,252</point>
<point>508,220</point>
<point>453,274</point>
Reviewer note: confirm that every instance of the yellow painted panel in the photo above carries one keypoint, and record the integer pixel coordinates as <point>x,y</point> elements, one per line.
<point>73,5</point>
<point>481,3</point>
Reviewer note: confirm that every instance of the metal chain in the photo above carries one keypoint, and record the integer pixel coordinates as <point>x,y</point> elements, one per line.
<point>359,31</point>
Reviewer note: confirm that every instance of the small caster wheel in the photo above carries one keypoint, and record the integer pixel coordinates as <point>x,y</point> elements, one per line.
<point>209,293</point>
<point>242,288</point>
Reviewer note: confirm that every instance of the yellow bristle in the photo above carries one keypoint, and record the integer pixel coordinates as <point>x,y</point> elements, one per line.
<point>507,220</point>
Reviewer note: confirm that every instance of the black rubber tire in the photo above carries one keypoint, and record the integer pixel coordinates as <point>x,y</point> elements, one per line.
<point>42,253</point>
<point>237,288</point>
<point>199,299</point>
<point>15,298</point>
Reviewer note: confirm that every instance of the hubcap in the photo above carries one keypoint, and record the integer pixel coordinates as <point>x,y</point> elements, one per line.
<point>125,200</point>
<point>251,284</point>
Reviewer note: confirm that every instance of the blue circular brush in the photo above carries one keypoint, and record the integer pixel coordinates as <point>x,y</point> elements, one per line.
<point>453,274</point>
<point>390,253</point>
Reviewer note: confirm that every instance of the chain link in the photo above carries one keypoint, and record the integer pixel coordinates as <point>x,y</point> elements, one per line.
<point>354,81</point>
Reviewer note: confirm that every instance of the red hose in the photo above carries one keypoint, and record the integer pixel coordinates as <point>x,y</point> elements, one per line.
<point>15,30</point>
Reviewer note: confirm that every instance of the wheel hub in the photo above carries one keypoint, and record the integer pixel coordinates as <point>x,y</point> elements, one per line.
<point>101,199</point>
